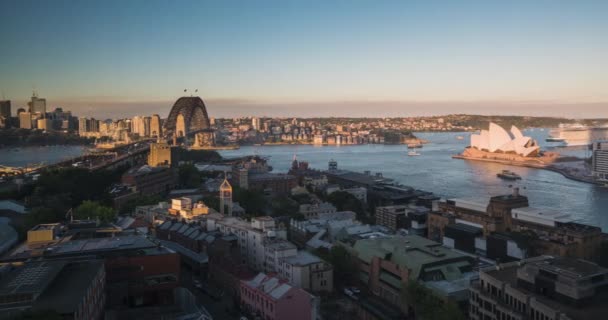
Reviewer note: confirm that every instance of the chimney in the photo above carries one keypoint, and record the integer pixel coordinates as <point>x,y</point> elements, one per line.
<point>516,192</point>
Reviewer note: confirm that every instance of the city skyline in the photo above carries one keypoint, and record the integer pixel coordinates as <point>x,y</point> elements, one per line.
<point>389,59</point>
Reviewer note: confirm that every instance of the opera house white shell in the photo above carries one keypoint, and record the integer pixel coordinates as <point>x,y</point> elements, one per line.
<point>497,139</point>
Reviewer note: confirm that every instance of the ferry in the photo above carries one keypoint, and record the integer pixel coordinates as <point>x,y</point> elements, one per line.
<point>508,175</point>
<point>578,134</point>
<point>551,139</point>
<point>413,154</point>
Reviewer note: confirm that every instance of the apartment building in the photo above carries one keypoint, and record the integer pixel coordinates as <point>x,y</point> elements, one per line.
<point>541,288</point>
<point>271,298</point>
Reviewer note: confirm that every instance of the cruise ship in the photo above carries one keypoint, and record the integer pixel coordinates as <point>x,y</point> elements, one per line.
<point>578,135</point>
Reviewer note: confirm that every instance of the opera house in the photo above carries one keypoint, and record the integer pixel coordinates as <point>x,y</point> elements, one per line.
<point>499,140</point>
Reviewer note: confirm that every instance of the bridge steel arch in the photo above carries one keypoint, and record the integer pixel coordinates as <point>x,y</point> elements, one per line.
<point>194,114</point>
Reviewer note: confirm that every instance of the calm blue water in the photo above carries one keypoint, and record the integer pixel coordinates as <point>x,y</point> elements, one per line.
<point>20,157</point>
<point>437,172</point>
<point>434,170</point>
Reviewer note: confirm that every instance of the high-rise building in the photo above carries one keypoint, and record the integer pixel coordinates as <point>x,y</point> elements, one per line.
<point>540,288</point>
<point>155,126</point>
<point>256,123</point>
<point>82,126</point>
<point>5,108</point>
<point>160,154</point>
<point>226,198</point>
<point>600,161</point>
<point>146,127</point>
<point>136,124</point>
<point>25,120</point>
<point>93,125</point>
<point>37,105</point>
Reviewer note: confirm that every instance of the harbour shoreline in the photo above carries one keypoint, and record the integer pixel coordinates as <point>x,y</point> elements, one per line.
<point>549,167</point>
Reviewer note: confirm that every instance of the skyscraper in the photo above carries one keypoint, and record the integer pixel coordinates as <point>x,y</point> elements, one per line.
<point>25,120</point>
<point>256,123</point>
<point>5,108</point>
<point>146,127</point>
<point>155,126</point>
<point>160,154</point>
<point>82,126</point>
<point>37,105</point>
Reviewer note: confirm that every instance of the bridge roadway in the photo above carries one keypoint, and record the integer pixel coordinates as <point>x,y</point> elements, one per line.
<point>106,159</point>
<point>109,157</point>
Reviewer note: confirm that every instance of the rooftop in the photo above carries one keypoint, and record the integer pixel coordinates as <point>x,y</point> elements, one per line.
<point>595,308</point>
<point>47,226</point>
<point>272,286</point>
<point>414,252</point>
<point>69,247</point>
<point>303,258</point>
<point>32,278</point>
<point>71,284</point>
<point>269,176</point>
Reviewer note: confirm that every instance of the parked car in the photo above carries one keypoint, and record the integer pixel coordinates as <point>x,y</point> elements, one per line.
<point>350,294</point>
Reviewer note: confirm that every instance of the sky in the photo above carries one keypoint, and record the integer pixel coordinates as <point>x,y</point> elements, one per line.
<point>308,58</point>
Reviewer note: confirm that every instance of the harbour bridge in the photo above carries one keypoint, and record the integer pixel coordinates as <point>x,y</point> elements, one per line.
<point>187,117</point>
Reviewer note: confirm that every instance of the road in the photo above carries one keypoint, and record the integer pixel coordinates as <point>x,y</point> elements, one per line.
<point>219,310</point>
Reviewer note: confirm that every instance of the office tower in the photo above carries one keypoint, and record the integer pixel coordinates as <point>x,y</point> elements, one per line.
<point>136,124</point>
<point>82,126</point>
<point>25,120</point>
<point>146,127</point>
<point>37,105</point>
<point>256,123</point>
<point>93,125</point>
<point>5,108</point>
<point>160,154</point>
<point>155,126</point>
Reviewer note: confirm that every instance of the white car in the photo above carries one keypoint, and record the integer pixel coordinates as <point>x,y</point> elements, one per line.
<point>350,294</point>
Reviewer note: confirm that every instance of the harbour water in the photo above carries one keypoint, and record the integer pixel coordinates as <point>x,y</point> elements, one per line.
<point>434,170</point>
<point>31,156</point>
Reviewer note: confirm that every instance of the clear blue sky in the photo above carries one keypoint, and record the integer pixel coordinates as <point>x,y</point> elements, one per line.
<point>352,57</point>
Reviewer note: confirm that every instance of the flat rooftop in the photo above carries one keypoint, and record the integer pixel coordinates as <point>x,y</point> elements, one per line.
<point>32,278</point>
<point>303,258</point>
<point>596,308</point>
<point>46,226</point>
<point>66,291</point>
<point>68,247</point>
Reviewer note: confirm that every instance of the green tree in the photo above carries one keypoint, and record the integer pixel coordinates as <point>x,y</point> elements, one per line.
<point>428,306</point>
<point>141,200</point>
<point>189,176</point>
<point>252,201</point>
<point>342,261</point>
<point>40,215</point>
<point>40,315</point>
<point>93,210</point>
<point>283,205</point>
<point>212,202</point>
<point>344,201</point>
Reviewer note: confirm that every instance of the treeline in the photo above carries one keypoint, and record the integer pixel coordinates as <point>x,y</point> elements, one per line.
<point>25,137</point>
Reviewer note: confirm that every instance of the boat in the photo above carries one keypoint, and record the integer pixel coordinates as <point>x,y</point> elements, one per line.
<point>413,154</point>
<point>508,175</point>
<point>459,138</point>
<point>551,139</point>
<point>579,134</point>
